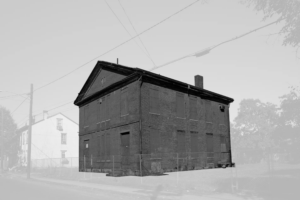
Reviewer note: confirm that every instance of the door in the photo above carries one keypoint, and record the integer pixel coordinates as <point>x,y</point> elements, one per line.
<point>86,155</point>
<point>125,149</point>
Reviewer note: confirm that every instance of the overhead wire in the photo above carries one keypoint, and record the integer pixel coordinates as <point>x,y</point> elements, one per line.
<point>128,32</point>
<point>19,106</point>
<point>136,33</point>
<point>151,27</point>
<point>207,50</point>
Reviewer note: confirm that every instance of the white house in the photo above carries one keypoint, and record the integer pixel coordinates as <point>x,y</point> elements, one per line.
<point>54,142</point>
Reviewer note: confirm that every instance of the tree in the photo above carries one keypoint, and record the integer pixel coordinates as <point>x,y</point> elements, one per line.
<point>289,131</point>
<point>8,139</point>
<point>288,10</point>
<point>253,128</point>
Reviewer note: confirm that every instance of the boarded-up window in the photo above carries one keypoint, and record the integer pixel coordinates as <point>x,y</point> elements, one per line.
<point>124,103</point>
<point>154,101</point>
<point>155,141</point>
<point>99,145</point>
<point>193,108</point>
<point>86,115</point>
<point>180,105</point>
<point>102,146</point>
<point>208,111</point>
<point>86,144</point>
<point>181,141</point>
<point>107,145</point>
<point>223,143</point>
<point>194,141</point>
<point>99,112</point>
<point>209,142</point>
<point>107,103</point>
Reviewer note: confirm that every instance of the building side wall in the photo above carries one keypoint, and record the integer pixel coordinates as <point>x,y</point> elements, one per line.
<point>163,127</point>
<point>46,141</point>
<point>117,115</point>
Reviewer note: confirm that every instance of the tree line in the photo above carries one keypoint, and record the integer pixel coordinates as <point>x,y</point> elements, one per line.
<point>265,131</point>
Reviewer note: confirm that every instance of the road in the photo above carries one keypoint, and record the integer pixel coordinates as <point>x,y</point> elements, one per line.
<point>16,189</point>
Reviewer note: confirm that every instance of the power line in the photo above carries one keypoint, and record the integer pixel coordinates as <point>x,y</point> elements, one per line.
<point>127,31</point>
<point>39,113</point>
<point>207,50</point>
<point>19,105</point>
<point>118,45</point>
<point>137,33</point>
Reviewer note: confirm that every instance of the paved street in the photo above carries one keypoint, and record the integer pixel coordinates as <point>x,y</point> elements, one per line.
<point>17,187</point>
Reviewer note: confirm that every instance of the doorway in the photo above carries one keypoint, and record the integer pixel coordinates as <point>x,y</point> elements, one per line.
<point>125,150</point>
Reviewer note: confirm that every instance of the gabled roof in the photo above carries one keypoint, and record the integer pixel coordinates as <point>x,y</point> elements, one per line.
<point>24,128</point>
<point>54,116</point>
<point>146,76</point>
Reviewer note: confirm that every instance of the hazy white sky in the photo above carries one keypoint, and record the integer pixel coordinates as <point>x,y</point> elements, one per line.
<point>43,40</point>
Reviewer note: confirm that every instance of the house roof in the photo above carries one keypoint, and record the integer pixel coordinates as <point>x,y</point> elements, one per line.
<point>146,76</point>
<point>24,128</point>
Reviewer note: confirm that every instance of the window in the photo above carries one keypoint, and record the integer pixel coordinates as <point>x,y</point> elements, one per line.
<point>124,103</point>
<point>209,142</point>
<point>223,143</point>
<point>181,141</point>
<point>100,102</point>
<point>63,154</point>
<point>154,101</point>
<point>193,108</point>
<point>86,144</point>
<point>59,125</point>
<point>194,141</point>
<point>103,81</point>
<point>180,105</point>
<point>107,145</point>
<point>63,138</point>
<point>104,147</point>
<point>106,108</point>
<point>208,111</point>
<point>86,115</point>
<point>155,141</point>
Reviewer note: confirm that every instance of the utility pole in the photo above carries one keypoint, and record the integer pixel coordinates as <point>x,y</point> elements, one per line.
<point>29,134</point>
<point>2,138</point>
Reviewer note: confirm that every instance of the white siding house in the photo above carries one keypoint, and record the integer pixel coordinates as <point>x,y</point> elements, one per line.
<point>54,142</point>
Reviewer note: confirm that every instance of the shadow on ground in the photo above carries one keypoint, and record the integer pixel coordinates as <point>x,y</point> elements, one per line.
<point>277,185</point>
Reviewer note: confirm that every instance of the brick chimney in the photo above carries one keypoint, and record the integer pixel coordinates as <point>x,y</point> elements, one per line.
<point>199,81</point>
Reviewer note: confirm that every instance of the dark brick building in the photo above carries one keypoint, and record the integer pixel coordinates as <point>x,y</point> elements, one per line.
<point>132,119</point>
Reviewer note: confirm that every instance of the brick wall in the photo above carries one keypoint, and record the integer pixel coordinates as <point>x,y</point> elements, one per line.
<point>113,125</point>
<point>166,124</point>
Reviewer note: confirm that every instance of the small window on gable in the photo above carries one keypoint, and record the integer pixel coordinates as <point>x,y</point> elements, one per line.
<point>86,144</point>
<point>180,106</point>
<point>124,102</point>
<point>154,101</point>
<point>103,81</point>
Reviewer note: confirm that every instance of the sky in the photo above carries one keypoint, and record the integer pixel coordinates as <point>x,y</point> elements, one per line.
<point>42,41</point>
